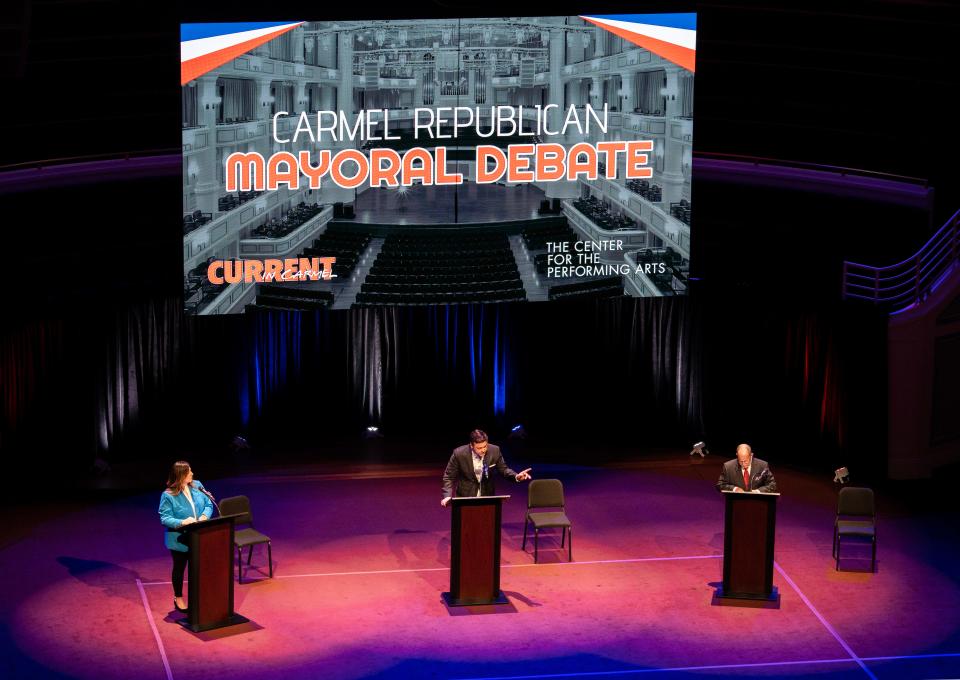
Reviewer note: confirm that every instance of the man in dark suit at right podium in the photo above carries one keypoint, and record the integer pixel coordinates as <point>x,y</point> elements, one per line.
<point>746,474</point>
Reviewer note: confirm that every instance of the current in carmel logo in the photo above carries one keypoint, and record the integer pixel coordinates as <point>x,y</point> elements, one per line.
<point>265,271</point>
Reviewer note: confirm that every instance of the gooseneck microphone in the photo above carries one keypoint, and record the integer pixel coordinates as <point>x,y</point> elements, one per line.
<point>208,495</point>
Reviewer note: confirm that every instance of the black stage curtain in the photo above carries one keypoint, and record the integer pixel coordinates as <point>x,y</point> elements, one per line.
<point>808,386</point>
<point>447,369</point>
<point>138,359</point>
<point>643,372</point>
<point>28,354</point>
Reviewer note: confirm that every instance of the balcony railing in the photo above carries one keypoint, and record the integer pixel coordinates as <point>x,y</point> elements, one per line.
<point>909,282</point>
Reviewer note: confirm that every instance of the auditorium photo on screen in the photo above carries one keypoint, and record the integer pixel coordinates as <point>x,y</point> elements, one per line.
<point>341,164</point>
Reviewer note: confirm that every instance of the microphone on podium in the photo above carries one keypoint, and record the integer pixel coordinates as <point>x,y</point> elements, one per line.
<point>210,496</point>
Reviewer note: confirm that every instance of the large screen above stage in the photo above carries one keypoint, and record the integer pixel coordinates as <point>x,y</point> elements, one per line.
<point>339,164</point>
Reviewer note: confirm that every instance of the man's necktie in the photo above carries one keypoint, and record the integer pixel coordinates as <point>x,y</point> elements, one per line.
<point>746,480</point>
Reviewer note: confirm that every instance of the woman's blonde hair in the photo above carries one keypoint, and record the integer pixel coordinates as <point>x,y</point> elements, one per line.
<point>178,473</point>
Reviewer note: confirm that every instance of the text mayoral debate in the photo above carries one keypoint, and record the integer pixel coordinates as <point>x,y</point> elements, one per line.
<point>383,166</point>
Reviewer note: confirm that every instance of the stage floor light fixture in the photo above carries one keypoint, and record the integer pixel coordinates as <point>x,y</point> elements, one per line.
<point>372,432</point>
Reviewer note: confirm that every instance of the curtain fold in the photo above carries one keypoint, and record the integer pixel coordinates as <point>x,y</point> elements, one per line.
<point>812,363</point>
<point>427,86</point>
<point>27,356</point>
<point>480,86</point>
<point>611,92</point>
<point>281,47</point>
<point>283,97</point>
<point>188,105</point>
<point>239,100</point>
<point>646,93</point>
<point>139,361</point>
<point>609,41</point>
<point>373,345</point>
<point>685,81</point>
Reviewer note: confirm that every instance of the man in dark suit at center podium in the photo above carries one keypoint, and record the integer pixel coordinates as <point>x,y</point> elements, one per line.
<point>469,472</point>
<point>746,474</point>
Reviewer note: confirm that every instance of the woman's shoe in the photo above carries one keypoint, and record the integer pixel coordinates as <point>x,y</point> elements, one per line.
<point>177,607</point>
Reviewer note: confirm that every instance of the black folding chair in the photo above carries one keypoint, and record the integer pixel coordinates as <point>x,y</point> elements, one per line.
<point>247,536</point>
<point>856,516</point>
<point>547,493</point>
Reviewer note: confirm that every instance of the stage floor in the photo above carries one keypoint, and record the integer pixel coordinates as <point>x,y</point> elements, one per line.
<point>361,557</point>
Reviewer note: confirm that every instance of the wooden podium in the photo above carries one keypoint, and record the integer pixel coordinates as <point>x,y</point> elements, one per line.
<point>210,599</point>
<point>749,527</point>
<point>475,552</point>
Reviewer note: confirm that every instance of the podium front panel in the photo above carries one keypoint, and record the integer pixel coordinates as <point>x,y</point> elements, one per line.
<point>748,545</point>
<point>211,574</point>
<point>216,574</point>
<point>477,551</point>
<point>747,549</point>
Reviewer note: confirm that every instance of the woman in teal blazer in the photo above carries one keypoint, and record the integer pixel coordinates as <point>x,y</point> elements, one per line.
<point>183,502</point>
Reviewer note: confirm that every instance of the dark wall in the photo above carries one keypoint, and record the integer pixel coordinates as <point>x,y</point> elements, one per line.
<point>852,82</point>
